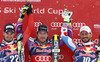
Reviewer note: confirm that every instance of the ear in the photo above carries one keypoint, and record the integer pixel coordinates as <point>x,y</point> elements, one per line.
<point>79,34</point>
<point>3,33</point>
<point>14,34</point>
<point>48,34</point>
<point>91,34</point>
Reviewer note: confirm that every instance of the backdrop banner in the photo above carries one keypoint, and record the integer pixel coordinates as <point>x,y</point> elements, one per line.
<point>48,12</point>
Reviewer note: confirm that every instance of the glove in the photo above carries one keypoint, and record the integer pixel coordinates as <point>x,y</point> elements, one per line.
<point>24,10</point>
<point>67,16</point>
<point>19,37</point>
<point>29,11</point>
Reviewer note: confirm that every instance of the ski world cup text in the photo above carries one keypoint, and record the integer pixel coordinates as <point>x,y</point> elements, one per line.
<point>9,10</point>
<point>51,11</point>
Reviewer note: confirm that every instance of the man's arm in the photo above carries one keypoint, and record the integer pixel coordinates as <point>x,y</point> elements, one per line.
<point>19,26</point>
<point>30,26</point>
<point>29,29</point>
<point>66,30</point>
<point>21,17</point>
<point>67,37</point>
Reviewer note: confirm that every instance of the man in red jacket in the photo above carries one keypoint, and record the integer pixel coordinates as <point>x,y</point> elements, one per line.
<point>40,48</point>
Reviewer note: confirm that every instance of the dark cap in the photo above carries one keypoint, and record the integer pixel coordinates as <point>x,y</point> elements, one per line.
<point>42,27</point>
<point>9,27</point>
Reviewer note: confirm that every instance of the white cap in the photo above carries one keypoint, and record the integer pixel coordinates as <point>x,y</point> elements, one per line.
<point>85,28</point>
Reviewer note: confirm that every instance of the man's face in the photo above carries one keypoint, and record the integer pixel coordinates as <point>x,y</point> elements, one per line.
<point>85,36</point>
<point>42,36</point>
<point>9,36</point>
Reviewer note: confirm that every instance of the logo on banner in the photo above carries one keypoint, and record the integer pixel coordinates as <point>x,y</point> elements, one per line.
<point>79,41</point>
<point>22,0</point>
<point>29,58</point>
<point>47,58</point>
<point>0,9</point>
<point>96,41</point>
<point>61,57</point>
<point>14,24</point>
<point>36,24</point>
<point>43,58</point>
<point>56,24</point>
<point>77,25</point>
<point>96,25</point>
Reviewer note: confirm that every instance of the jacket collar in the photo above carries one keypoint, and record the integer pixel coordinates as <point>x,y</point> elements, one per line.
<point>7,43</point>
<point>88,43</point>
<point>38,42</point>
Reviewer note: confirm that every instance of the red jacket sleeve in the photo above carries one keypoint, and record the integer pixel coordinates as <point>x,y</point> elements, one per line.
<point>29,28</point>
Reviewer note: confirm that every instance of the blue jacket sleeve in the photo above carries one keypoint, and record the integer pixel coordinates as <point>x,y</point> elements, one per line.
<point>66,34</point>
